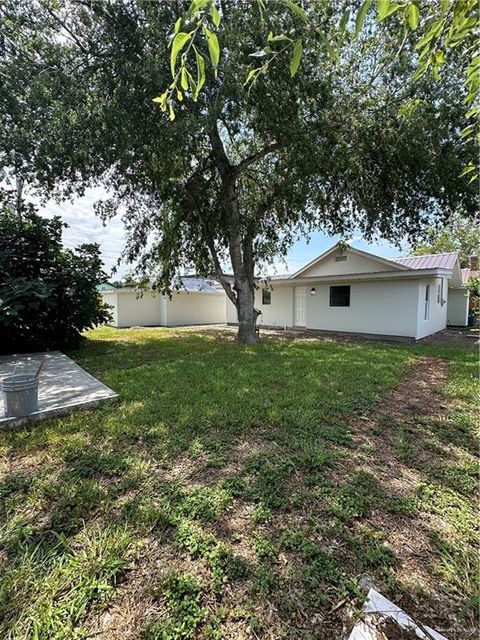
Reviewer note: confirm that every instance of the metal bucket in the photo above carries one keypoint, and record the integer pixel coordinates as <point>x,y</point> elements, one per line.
<point>20,395</point>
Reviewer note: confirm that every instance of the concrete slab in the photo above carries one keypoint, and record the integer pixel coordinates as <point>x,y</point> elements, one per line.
<point>63,385</point>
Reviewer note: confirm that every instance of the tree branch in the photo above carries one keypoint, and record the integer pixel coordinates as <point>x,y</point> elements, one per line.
<point>241,166</point>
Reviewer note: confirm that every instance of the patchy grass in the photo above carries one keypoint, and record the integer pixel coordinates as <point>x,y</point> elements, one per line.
<point>240,492</point>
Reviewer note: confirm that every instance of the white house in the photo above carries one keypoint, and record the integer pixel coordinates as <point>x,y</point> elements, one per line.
<point>198,301</point>
<point>348,290</point>
<point>343,290</point>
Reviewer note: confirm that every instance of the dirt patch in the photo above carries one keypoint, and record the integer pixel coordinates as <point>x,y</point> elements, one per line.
<point>417,394</point>
<point>416,399</point>
<point>467,337</point>
<point>393,631</point>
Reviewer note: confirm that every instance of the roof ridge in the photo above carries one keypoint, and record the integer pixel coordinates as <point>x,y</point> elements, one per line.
<point>427,255</point>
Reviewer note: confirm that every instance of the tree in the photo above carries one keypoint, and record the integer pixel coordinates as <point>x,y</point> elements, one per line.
<point>444,28</point>
<point>459,234</point>
<point>241,172</point>
<point>48,294</point>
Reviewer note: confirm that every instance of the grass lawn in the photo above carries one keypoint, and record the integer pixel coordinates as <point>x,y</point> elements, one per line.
<point>244,492</point>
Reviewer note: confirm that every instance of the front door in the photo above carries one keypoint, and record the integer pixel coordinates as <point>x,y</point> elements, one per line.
<point>300,301</point>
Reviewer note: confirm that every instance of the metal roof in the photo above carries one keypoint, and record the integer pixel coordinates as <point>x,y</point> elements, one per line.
<point>194,284</point>
<point>443,260</point>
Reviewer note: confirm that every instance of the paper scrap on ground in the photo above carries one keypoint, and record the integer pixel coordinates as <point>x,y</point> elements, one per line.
<point>376,608</point>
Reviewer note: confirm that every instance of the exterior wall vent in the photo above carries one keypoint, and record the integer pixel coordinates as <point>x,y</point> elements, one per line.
<point>340,258</point>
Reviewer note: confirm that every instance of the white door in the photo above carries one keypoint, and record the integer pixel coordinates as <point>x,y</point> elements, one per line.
<point>300,301</point>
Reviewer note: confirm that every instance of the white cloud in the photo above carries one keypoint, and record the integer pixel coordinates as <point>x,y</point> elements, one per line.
<point>85,226</point>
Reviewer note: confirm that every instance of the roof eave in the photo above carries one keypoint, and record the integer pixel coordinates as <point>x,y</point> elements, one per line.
<point>378,275</point>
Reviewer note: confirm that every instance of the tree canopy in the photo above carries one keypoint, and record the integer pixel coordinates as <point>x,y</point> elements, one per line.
<point>459,234</point>
<point>241,171</point>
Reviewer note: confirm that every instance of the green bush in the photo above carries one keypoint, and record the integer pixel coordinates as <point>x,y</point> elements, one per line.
<point>48,294</point>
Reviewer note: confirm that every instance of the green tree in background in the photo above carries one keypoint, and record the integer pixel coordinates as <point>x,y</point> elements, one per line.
<point>48,294</point>
<point>241,171</point>
<point>459,234</point>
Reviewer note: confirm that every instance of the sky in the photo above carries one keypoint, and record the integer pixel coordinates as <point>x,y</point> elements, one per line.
<point>85,226</point>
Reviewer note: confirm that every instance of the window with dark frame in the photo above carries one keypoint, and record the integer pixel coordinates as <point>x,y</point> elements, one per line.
<point>340,296</point>
<point>266,296</point>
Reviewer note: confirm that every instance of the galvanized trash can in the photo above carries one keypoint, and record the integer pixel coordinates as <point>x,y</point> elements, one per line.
<point>20,395</point>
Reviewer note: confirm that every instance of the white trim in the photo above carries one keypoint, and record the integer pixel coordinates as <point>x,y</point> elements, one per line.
<point>395,266</point>
<point>376,275</point>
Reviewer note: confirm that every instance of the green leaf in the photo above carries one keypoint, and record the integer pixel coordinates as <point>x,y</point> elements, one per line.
<point>431,33</point>
<point>177,25</point>
<point>251,75</point>
<point>177,45</point>
<point>171,112</point>
<point>296,57</point>
<point>468,169</point>
<point>200,74</point>
<point>439,57</point>
<point>162,100</point>
<point>386,8</point>
<point>195,6</point>
<point>344,20</point>
<point>184,79</point>
<point>213,48</point>
<point>280,38</point>
<point>301,13</point>
<point>331,51</point>
<point>413,16</point>
<point>215,15</point>
<point>361,15</point>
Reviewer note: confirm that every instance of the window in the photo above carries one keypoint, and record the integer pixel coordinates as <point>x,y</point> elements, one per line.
<point>427,302</point>
<point>439,294</point>
<point>340,258</point>
<point>340,296</point>
<point>266,296</point>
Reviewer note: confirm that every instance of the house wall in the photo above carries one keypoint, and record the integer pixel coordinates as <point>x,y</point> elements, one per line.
<point>353,264</point>
<point>437,318</point>
<point>385,307</point>
<point>280,312</point>
<point>195,308</point>
<point>457,308</point>
<point>110,297</point>
<point>144,311</point>
<point>380,307</point>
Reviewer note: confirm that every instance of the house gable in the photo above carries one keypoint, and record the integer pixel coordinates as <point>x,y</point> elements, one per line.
<point>343,261</point>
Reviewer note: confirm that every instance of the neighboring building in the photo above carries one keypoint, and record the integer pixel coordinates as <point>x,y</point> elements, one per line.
<point>347,290</point>
<point>105,286</point>
<point>198,301</point>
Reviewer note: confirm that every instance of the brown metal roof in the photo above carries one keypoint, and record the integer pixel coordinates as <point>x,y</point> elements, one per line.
<point>439,260</point>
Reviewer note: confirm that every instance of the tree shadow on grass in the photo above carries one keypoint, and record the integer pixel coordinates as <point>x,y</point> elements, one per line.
<point>224,465</point>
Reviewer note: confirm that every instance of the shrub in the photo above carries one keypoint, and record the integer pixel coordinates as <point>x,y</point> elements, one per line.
<point>48,294</point>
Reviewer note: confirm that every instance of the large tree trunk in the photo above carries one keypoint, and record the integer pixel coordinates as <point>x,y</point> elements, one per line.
<point>246,312</point>
<point>240,243</point>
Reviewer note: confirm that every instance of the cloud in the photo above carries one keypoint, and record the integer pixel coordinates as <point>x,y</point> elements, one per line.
<point>85,226</point>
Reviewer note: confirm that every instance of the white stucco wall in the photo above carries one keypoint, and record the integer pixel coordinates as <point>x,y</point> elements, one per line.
<point>437,317</point>
<point>353,264</point>
<point>457,308</point>
<point>231,311</point>
<point>280,312</point>
<point>195,308</point>
<point>110,297</point>
<point>142,311</point>
<point>385,307</point>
